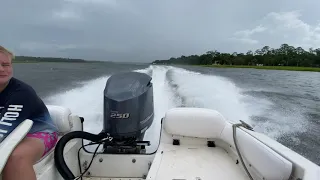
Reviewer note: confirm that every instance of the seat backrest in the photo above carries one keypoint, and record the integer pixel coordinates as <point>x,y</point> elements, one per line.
<point>61,117</point>
<point>194,122</point>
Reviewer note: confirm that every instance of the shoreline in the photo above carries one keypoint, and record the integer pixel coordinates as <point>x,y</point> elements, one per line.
<point>287,68</point>
<point>20,62</point>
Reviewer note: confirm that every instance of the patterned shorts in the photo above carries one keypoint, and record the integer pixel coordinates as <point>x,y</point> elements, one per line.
<point>49,139</point>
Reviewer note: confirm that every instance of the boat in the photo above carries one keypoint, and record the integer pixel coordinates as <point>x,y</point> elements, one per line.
<point>195,143</point>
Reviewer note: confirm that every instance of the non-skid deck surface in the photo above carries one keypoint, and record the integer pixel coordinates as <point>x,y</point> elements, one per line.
<point>198,163</point>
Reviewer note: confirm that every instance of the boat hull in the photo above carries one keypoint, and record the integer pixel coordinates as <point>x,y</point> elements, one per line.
<point>195,143</point>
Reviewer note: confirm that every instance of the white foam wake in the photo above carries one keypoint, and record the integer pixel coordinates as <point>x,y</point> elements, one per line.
<point>211,92</point>
<point>87,101</point>
<point>197,90</point>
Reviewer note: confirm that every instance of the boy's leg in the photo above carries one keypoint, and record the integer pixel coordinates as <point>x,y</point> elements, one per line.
<point>21,161</point>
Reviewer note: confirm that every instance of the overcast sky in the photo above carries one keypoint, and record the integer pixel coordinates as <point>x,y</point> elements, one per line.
<point>146,30</point>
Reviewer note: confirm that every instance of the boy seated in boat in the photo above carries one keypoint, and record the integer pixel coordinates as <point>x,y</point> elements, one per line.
<point>19,101</point>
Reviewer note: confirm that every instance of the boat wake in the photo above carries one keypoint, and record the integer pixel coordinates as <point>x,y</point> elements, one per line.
<point>173,87</point>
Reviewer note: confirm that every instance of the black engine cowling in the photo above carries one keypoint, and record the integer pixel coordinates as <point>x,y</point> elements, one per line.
<point>128,106</point>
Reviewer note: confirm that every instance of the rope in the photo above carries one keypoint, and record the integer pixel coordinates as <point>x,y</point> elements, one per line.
<point>234,127</point>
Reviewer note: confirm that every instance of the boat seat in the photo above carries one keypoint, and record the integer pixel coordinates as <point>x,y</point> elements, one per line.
<point>194,122</point>
<point>197,123</point>
<point>63,119</point>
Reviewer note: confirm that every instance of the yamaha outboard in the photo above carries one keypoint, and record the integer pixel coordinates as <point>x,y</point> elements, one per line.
<point>128,112</point>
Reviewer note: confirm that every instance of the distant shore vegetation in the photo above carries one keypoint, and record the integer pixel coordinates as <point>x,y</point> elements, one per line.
<point>31,59</point>
<point>285,57</point>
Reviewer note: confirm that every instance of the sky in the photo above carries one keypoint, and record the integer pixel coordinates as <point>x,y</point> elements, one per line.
<point>147,30</point>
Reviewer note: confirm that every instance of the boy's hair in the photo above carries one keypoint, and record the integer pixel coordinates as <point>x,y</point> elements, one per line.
<point>6,51</point>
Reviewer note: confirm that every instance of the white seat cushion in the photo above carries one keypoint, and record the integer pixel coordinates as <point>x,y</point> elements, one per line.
<point>194,122</point>
<point>61,117</point>
<point>64,120</point>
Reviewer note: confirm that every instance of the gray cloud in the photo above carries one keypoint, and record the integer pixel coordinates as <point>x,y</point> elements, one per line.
<point>148,30</point>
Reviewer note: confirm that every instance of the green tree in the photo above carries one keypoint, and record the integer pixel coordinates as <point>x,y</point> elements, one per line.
<point>285,55</point>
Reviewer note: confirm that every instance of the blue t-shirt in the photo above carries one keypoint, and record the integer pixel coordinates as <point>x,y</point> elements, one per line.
<point>19,101</point>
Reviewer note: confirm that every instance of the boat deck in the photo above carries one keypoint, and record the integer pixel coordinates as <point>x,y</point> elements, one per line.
<point>194,163</point>
<point>198,163</point>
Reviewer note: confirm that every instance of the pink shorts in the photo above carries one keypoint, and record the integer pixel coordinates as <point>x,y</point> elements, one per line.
<point>49,139</point>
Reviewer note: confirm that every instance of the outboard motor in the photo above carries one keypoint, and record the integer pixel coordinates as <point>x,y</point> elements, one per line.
<point>128,111</point>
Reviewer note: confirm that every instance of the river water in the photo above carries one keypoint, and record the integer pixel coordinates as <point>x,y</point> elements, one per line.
<point>283,104</point>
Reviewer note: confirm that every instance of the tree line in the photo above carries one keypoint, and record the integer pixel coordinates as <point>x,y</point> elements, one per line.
<point>45,59</point>
<point>285,55</point>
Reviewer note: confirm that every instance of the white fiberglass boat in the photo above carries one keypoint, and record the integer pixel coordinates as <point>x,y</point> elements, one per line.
<point>195,143</point>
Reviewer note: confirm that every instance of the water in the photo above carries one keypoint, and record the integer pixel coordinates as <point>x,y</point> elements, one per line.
<point>283,104</point>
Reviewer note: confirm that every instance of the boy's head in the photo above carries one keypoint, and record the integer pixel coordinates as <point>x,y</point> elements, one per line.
<point>6,71</point>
